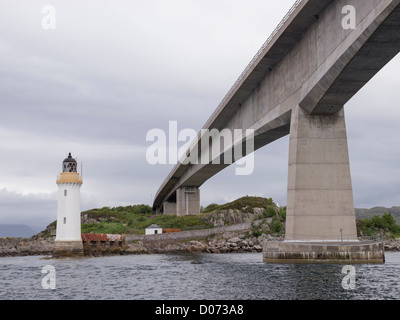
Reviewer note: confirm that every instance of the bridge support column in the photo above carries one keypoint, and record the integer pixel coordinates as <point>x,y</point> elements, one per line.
<point>320,216</point>
<point>169,208</point>
<point>320,205</point>
<point>188,201</point>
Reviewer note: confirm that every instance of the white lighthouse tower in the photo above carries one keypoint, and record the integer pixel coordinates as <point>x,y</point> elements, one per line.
<point>68,241</point>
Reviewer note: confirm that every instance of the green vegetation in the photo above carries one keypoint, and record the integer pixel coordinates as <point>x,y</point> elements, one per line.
<point>256,230</point>
<point>282,213</point>
<point>211,207</point>
<point>277,226</point>
<point>272,222</point>
<point>134,219</point>
<point>245,203</point>
<point>378,211</point>
<point>269,212</point>
<point>378,225</point>
<point>105,227</point>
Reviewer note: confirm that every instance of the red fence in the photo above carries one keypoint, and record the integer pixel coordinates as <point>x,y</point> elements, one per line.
<point>171,230</point>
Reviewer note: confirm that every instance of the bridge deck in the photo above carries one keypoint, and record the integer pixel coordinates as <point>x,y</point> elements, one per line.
<point>274,82</point>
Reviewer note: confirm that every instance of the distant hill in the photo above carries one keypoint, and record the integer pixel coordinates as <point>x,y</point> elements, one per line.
<point>16,231</point>
<point>378,211</point>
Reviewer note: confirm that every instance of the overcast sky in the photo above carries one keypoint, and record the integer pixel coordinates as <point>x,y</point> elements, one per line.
<point>113,70</point>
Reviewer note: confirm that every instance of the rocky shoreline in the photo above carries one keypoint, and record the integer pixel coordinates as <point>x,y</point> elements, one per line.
<point>392,245</point>
<point>11,247</point>
<point>232,245</point>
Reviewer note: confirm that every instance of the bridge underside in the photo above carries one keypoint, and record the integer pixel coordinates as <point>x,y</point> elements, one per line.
<point>299,86</point>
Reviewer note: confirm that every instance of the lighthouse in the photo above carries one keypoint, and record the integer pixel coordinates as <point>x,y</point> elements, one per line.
<point>68,241</point>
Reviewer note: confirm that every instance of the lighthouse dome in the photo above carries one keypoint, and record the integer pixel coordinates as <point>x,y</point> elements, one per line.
<point>69,164</point>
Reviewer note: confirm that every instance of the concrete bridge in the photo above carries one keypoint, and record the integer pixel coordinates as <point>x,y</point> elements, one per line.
<point>298,83</point>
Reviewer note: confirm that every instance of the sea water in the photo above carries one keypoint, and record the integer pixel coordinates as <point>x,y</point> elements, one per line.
<point>192,277</point>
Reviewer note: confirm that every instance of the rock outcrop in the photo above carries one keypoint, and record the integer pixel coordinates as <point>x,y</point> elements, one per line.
<point>11,247</point>
<point>236,244</point>
<point>392,245</point>
<point>233,216</point>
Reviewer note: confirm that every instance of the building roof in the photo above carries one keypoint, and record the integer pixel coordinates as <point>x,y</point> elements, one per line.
<point>69,159</point>
<point>154,226</point>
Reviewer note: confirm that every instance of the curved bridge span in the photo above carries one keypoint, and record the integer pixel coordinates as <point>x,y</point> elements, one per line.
<point>322,53</point>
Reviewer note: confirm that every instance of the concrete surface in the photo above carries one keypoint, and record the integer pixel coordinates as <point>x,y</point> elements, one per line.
<point>348,253</point>
<point>320,203</point>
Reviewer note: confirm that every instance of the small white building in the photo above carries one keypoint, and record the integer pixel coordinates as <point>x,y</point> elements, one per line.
<point>153,229</point>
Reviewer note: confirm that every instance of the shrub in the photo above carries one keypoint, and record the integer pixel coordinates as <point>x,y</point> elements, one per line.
<point>276,226</point>
<point>269,212</point>
<point>378,224</point>
<point>282,213</point>
<point>256,231</point>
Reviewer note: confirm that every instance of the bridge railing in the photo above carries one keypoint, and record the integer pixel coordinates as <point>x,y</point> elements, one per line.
<point>253,61</point>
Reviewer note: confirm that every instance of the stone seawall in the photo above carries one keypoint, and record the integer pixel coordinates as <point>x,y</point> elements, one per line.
<point>225,239</point>
<point>226,231</point>
<point>96,244</point>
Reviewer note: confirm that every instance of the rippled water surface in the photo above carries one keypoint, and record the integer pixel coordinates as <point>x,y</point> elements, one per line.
<point>194,277</point>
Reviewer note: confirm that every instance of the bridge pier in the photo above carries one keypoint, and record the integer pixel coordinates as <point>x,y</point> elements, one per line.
<point>320,205</point>
<point>320,217</point>
<point>187,201</point>
<point>169,208</point>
